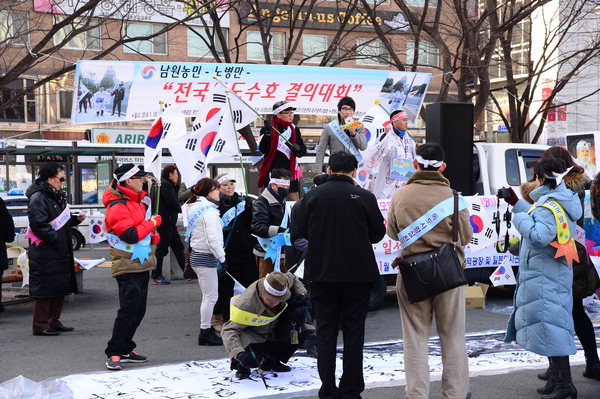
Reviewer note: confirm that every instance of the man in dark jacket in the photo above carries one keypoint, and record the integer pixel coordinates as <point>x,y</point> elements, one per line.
<point>7,234</point>
<point>340,222</point>
<point>119,94</point>
<point>282,144</point>
<point>168,209</point>
<point>51,264</point>
<point>268,219</point>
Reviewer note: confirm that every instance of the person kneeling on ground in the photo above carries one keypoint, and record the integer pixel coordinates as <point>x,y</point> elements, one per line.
<point>266,324</point>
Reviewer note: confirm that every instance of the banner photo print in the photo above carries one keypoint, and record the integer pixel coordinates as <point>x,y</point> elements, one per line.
<point>130,91</point>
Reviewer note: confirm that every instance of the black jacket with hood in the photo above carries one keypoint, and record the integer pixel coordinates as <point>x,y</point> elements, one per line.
<point>51,265</point>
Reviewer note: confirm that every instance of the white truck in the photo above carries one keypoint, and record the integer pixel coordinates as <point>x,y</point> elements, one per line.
<point>494,166</point>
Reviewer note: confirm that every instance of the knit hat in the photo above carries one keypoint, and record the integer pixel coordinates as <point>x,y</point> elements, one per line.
<point>275,287</point>
<point>346,101</point>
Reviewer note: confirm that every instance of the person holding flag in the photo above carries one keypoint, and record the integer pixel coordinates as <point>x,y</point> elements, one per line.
<point>130,231</point>
<point>205,232</point>
<point>282,144</point>
<point>541,322</point>
<point>236,215</point>
<point>341,134</point>
<point>270,221</point>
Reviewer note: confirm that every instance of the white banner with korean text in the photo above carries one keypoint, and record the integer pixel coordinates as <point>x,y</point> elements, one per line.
<point>139,86</point>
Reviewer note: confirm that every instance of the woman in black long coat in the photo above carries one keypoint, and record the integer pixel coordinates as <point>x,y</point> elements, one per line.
<point>51,265</point>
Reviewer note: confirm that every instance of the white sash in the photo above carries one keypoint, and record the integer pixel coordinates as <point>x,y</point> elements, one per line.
<point>61,219</point>
<point>334,125</point>
<point>193,219</point>
<point>231,213</point>
<point>281,146</point>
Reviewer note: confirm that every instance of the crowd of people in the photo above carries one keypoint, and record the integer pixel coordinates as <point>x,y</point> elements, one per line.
<point>258,243</point>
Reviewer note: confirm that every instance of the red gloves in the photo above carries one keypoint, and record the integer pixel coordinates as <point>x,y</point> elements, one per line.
<point>154,238</point>
<point>156,220</point>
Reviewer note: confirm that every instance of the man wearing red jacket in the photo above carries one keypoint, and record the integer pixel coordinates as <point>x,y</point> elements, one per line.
<point>130,233</point>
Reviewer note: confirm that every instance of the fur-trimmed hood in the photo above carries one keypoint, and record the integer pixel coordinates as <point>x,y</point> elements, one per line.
<point>574,181</point>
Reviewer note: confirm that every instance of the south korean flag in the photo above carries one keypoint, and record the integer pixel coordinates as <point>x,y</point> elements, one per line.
<point>483,233</point>
<point>96,229</point>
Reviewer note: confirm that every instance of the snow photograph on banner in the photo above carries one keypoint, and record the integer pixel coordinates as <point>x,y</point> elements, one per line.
<point>312,90</point>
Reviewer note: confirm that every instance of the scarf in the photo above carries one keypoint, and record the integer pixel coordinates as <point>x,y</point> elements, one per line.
<point>265,167</point>
<point>400,133</point>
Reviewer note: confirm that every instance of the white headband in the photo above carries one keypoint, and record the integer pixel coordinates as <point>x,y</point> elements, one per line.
<point>225,178</point>
<point>558,176</point>
<point>427,163</point>
<point>279,182</point>
<point>272,290</point>
<point>282,108</point>
<point>127,174</point>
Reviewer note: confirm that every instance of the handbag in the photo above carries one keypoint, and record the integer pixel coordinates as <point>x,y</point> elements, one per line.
<point>430,273</point>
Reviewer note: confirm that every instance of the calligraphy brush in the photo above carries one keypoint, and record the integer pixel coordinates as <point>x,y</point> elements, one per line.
<point>259,369</point>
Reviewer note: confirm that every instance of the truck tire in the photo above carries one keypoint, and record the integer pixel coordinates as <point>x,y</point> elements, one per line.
<point>77,239</point>
<point>378,292</point>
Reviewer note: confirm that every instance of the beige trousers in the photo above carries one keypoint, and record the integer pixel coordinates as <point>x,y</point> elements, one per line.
<point>449,311</point>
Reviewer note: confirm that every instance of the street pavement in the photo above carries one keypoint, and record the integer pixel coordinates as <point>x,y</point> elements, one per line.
<point>168,334</point>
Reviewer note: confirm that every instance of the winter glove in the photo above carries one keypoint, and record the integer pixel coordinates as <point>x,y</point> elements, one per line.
<point>295,148</point>
<point>222,268</point>
<point>154,239</point>
<point>511,198</point>
<point>296,300</point>
<point>247,360</point>
<point>156,220</point>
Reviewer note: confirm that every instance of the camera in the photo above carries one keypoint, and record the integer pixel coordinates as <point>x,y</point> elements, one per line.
<point>504,193</point>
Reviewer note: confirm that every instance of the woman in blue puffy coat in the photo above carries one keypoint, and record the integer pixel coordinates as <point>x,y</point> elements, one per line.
<point>541,321</point>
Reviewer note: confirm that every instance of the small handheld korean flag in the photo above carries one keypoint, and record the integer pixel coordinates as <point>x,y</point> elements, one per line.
<point>503,275</point>
<point>96,229</point>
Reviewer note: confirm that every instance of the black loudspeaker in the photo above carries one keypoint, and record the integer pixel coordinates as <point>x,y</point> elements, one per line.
<point>451,126</point>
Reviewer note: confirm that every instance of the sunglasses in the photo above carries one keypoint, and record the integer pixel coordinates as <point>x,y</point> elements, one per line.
<point>287,112</point>
<point>62,180</point>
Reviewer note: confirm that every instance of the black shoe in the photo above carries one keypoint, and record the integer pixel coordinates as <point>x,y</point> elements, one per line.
<point>209,337</point>
<point>242,372</point>
<point>276,365</point>
<point>561,374</point>
<point>592,369</point>
<point>63,328</point>
<point>47,333</point>
<point>545,375</point>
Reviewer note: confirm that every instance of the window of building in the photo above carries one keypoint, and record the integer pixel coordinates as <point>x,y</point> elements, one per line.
<point>420,3</point>
<point>371,52</point>
<point>13,27</point>
<point>428,54</point>
<point>520,52</point>
<point>65,99</point>
<point>377,2</point>
<point>89,39</point>
<point>314,47</point>
<point>156,45</point>
<point>22,110</point>
<point>255,46</point>
<point>197,43</point>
